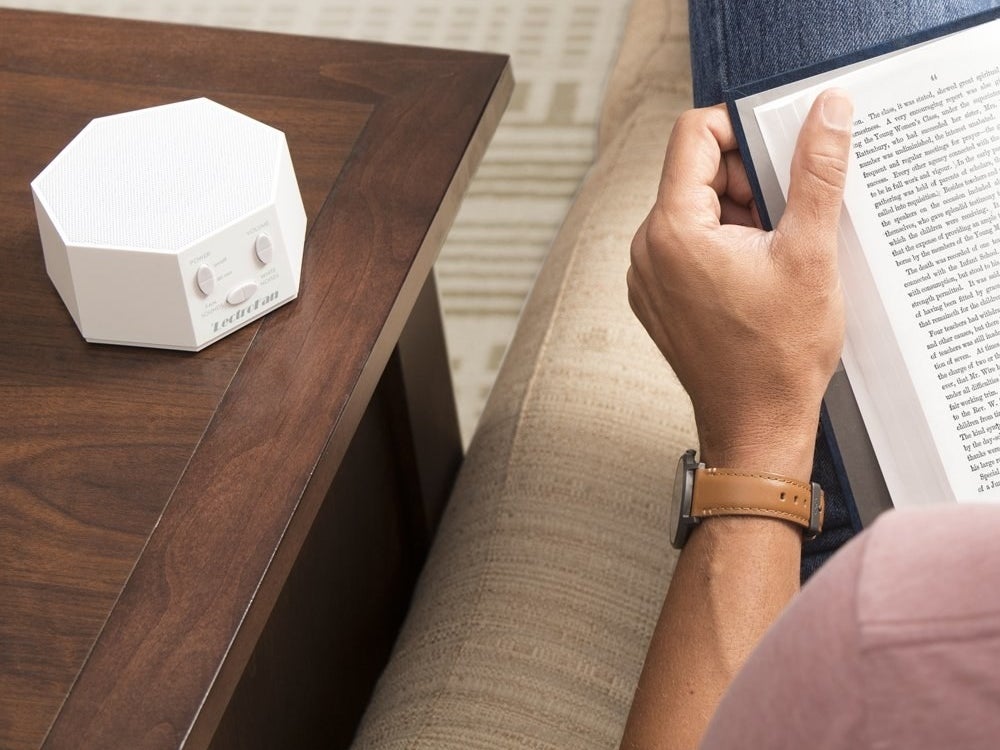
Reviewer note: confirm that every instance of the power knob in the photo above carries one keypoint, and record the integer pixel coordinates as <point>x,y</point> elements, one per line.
<point>206,279</point>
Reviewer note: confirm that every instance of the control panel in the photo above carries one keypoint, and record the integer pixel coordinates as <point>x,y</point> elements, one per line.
<point>239,277</point>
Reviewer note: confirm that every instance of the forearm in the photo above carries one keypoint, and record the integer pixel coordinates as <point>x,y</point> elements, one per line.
<point>733,578</point>
<point>752,323</point>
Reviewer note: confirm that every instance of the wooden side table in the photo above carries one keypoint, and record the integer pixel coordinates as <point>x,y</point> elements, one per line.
<point>216,548</point>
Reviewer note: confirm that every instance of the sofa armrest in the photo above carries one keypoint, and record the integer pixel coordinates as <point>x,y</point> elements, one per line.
<point>654,62</point>
<point>532,617</point>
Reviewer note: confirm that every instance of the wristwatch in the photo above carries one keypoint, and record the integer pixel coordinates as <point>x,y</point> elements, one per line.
<point>701,492</point>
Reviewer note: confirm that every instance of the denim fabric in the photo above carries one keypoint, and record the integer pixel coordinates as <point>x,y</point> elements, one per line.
<point>838,526</point>
<point>736,42</point>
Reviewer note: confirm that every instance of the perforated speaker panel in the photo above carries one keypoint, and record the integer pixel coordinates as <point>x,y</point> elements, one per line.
<point>160,178</point>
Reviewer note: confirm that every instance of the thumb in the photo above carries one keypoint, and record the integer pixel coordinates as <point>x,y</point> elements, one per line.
<point>819,168</point>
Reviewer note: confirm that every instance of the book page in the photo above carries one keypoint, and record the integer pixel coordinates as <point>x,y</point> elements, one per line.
<point>920,258</point>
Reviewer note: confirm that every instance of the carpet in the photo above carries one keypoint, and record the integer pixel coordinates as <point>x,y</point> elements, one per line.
<point>561,53</point>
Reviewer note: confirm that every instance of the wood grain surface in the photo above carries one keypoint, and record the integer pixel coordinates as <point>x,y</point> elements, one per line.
<point>152,503</point>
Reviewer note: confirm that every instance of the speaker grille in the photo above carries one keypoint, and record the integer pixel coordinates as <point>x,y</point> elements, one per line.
<point>160,178</point>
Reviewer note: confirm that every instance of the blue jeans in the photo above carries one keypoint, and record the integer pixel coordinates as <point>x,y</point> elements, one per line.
<point>736,42</point>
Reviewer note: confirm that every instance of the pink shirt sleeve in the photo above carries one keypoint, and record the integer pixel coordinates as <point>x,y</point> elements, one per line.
<point>895,643</point>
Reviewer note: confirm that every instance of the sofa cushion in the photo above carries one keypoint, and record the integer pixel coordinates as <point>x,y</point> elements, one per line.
<point>531,620</point>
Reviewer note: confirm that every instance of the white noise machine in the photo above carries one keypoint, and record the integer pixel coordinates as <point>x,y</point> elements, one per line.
<point>172,226</point>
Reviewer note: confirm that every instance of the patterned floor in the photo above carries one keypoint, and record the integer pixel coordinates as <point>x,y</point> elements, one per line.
<point>561,51</point>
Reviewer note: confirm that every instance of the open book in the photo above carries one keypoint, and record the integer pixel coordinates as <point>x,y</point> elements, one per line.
<point>919,257</point>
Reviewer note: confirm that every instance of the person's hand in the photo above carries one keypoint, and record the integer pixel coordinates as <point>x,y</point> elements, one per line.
<point>751,321</point>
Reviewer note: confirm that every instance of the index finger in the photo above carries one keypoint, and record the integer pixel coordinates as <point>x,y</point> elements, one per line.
<point>693,167</point>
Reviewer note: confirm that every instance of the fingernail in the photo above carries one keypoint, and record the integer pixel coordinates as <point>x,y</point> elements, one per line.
<point>837,110</point>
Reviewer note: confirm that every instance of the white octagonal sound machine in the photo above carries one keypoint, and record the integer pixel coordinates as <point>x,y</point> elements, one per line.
<point>171,226</point>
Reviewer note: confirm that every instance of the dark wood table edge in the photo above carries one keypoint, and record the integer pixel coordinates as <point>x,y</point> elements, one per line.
<point>437,468</point>
<point>224,678</point>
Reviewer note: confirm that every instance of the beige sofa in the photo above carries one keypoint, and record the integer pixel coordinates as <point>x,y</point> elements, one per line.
<point>531,619</point>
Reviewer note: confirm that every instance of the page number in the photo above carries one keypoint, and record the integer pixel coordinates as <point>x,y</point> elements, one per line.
<point>933,76</point>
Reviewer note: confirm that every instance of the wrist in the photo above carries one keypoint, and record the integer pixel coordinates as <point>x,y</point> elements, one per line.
<point>786,452</point>
<point>794,463</point>
<point>721,530</point>
<point>705,492</point>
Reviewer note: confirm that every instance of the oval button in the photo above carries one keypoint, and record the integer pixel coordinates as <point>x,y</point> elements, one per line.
<point>241,293</point>
<point>264,248</point>
<point>206,279</point>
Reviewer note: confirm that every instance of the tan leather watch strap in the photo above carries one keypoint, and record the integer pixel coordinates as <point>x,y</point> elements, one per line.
<point>727,492</point>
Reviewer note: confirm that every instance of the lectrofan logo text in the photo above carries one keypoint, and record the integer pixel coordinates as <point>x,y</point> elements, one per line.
<point>234,318</point>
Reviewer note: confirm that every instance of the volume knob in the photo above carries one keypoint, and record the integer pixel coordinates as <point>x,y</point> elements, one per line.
<point>264,248</point>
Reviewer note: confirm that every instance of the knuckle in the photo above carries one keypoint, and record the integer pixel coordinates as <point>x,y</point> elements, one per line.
<point>653,240</point>
<point>662,226</point>
<point>689,118</point>
<point>631,280</point>
<point>694,121</point>
<point>633,299</point>
<point>638,255</point>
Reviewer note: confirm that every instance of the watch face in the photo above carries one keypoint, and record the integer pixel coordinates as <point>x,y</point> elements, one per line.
<point>680,501</point>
